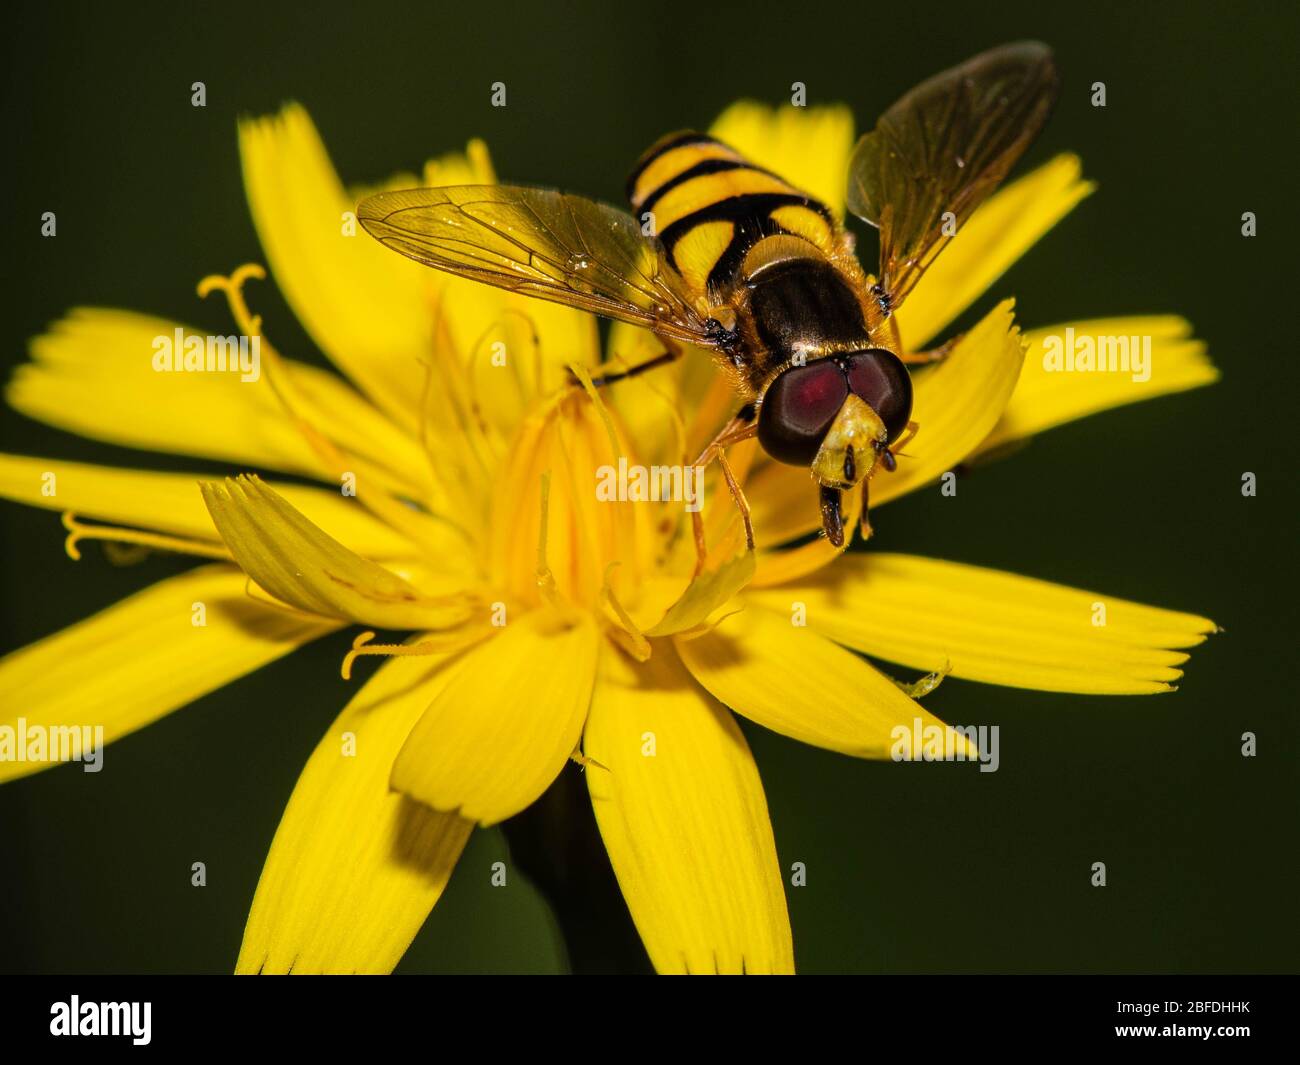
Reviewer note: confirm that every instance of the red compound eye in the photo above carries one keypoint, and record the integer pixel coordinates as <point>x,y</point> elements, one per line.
<point>880,378</point>
<point>798,409</point>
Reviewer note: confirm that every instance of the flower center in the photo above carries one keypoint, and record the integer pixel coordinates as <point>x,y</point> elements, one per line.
<point>552,531</point>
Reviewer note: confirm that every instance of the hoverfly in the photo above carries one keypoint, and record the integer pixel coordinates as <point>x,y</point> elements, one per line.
<point>755,270</point>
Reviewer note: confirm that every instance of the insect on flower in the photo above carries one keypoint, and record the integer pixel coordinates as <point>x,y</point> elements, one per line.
<point>541,624</point>
<point>730,257</point>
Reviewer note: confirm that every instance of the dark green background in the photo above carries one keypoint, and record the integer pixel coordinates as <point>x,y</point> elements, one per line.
<point>910,867</point>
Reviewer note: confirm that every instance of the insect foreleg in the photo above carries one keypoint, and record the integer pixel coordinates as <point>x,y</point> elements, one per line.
<point>923,358</point>
<point>888,461</point>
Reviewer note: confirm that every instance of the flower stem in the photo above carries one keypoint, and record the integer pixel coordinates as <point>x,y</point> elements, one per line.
<point>556,844</point>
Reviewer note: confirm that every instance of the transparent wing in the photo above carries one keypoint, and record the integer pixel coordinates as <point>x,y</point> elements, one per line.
<point>943,148</point>
<point>541,243</point>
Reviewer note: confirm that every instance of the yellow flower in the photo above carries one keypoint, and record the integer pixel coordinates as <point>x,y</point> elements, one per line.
<point>546,624</point>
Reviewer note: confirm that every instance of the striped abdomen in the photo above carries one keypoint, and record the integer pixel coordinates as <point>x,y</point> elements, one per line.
<point>744,238</point>
<point>711,207</point>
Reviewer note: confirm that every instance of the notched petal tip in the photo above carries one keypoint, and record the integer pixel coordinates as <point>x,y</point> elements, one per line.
<point>998,628</point>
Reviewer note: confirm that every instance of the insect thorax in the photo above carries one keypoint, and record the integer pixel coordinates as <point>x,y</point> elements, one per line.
<point>795,310</point>
<point>746,240</point>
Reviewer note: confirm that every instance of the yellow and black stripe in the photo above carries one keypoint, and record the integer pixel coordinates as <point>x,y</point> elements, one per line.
<point>711,207</point>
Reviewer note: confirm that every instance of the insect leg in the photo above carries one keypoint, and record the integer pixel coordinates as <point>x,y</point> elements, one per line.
<point>924,358</point>
<point>887,460</point>
<point>742,504</point>
<point>741,427</point>
<point>909,434</point>
<point>673,352</point>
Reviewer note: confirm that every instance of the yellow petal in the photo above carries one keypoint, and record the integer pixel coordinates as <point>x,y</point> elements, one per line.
<point>365,307</point>
<point>784,502</point>
<point>338,410</point>
<point>503,723</point>
<point>378,316</point>
<point>538,339</point>
<point>994,627</point>
<point>93,374</point>
<point>172,502</point>
<point>778,567</point>
<point>654,406</point>
<point>1000,232</point>
<point>796,682</point>
<point>710,590</point>
<point>1044,399</point>
<point>808,146</point>
<point>957,403</point>
<point>558,464</point>
<point>298,563</point>
<point>354,868</point>
<point>144,657</point>
<point>686,826</point>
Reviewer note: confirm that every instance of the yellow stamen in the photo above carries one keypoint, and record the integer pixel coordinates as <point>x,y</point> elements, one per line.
<point>428,646</point>
<point>706,627</point>
<point>678,422</point>
<point>516,363</point>
<point>456,398</point>
<point>78,531</point>
<point>545,578</point>
<point>589,387</point>
<point>119,554</point>
<point>445,466</point>
<point>596,539</point>
<point>384,506</point>
<point>626,634</point>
